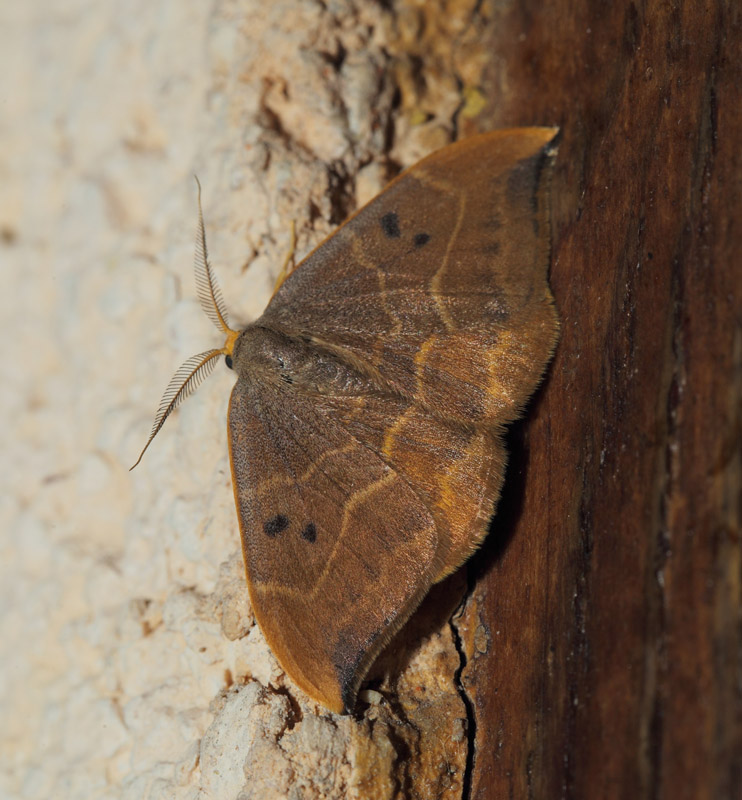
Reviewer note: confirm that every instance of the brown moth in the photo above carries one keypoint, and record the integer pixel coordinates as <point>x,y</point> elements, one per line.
<point>365,427</point>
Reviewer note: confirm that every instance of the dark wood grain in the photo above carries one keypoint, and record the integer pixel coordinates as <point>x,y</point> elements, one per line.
<point>603,635</point>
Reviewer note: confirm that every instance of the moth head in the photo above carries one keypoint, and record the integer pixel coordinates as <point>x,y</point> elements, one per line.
<point>197,368</point>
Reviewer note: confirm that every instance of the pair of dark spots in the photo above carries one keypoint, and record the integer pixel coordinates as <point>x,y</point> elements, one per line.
<point>390,227</point>
<point>278,524</point>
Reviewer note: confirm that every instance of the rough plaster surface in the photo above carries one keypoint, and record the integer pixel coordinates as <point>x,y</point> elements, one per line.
<point>131,665</point>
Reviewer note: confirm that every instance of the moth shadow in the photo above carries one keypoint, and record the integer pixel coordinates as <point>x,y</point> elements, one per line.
<point>511,504</point>
<point>509,510</point>
<point>432,616</point>
<point>443,600</point>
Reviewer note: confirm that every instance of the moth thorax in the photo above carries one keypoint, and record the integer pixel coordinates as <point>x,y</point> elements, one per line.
<point>267,354</point>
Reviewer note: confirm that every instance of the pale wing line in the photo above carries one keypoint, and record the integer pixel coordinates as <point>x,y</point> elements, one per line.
<point>504,347</point>
<point>381,277</point>
<point>295,481</point>
<point>477,443</point>
<point>402,418</point>
<point>270,483</point>
<point>436,280</point>
<point>357,497</point>
<point>280,588</point>
<point>419,395</point>
<point>341,278</point>
<point>492,353</point>
<point>287,464</point>
<point>354,499</point>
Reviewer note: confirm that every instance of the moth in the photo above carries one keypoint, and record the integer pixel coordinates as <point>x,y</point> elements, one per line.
<point>365,427</point>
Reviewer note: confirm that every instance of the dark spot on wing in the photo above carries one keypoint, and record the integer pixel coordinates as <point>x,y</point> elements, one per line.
<point>276,525</point>
<point>309,533</point>
<point>390,225</point>
<point>421,239</point>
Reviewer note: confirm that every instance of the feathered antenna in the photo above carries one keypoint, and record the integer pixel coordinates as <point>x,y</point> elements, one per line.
<point>184,383</point>
<point>209,293</point>
<point>194,371</point>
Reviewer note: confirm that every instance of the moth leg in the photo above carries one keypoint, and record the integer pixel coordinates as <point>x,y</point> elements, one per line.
<point>289,264</point>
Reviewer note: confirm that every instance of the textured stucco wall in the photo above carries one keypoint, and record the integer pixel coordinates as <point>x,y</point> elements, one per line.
<point>131,667</point>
